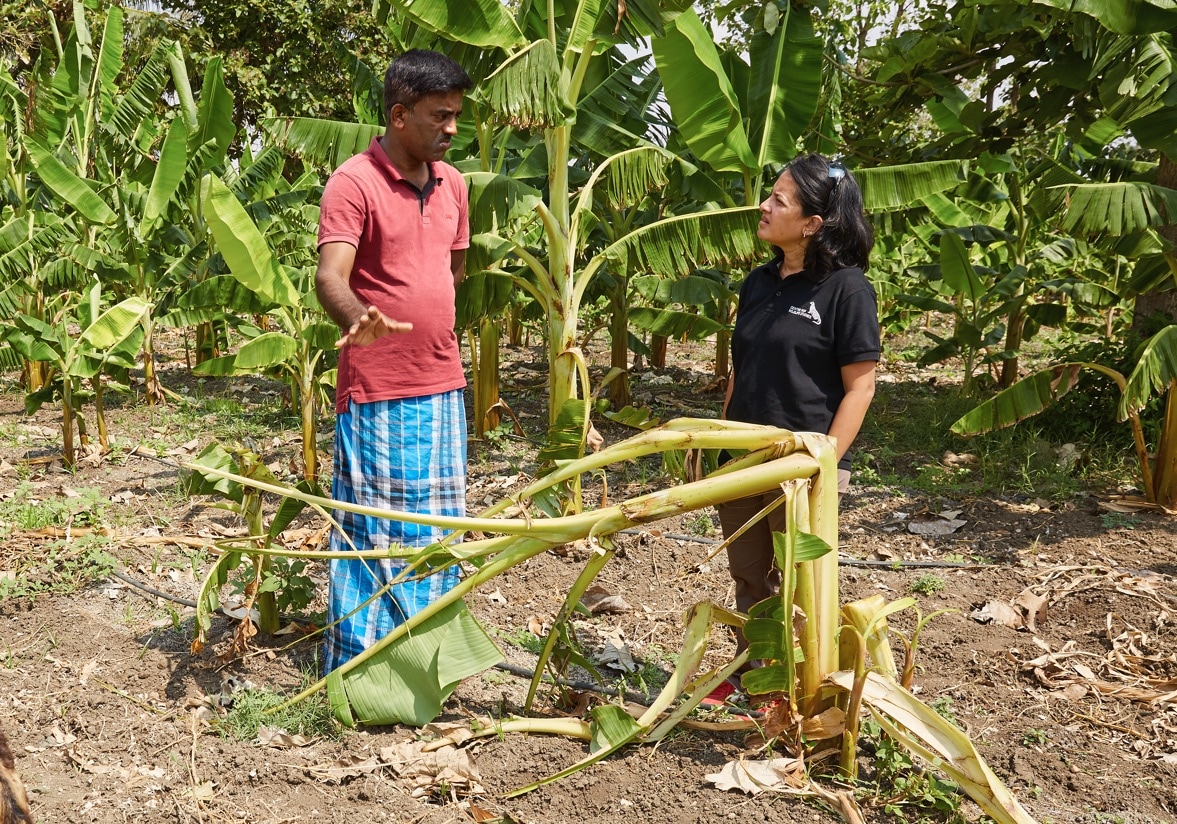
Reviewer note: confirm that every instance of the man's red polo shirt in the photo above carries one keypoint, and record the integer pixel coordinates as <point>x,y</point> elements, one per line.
<point>403,240</point>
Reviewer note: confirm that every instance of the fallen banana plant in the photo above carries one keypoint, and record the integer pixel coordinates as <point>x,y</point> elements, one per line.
<point>371,687</point>
<point>799,634</point>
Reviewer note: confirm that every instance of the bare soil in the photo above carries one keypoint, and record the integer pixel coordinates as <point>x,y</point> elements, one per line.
<point>101,695</point>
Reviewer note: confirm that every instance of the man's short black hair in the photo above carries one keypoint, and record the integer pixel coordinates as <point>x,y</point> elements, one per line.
<point>421,72</point>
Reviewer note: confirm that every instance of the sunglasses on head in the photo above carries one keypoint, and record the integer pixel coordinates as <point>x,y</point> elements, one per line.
<point>835,172</point>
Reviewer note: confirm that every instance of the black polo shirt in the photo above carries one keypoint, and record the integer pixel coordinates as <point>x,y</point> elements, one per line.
<point>791,339</point>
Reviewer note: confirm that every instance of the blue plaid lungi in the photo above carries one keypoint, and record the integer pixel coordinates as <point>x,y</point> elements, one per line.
<point>408,455</point>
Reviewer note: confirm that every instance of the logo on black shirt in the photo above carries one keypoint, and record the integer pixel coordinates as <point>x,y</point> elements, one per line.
<point>809,313</point>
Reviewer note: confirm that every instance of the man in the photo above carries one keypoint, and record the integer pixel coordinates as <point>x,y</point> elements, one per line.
<point>393,231</point>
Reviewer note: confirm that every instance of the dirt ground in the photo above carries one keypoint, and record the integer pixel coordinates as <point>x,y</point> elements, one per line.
<point>102,698</point>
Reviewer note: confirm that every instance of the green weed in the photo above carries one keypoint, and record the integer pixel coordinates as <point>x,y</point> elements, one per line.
<point>1117,520</point>
<point>902,789</point>
<point>28,509</point>
<point>60,568</point>
<point>701,523</point>
<point>927,584</point>
<point>525,640</point>
<point>311,717</point>
<point>1034,737</point>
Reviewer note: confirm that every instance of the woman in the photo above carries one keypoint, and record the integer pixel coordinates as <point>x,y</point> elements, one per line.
<point>806,343</point>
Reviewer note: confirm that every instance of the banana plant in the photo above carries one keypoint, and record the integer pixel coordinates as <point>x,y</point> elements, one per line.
<point>285,291</point>
<point>123,171</point>
<point>1155,375</point>
<point>74,360</point>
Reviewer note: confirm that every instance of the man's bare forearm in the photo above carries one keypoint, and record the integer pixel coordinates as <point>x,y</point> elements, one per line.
<point>338,300</point>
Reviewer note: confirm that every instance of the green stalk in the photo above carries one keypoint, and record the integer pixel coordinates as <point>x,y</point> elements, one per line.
<point>587,575</point>
<point>848,760</point>
<point>267,603</point>
<point>818,579</point>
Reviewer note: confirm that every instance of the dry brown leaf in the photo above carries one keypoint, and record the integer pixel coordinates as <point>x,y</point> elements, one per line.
<point>597,600</point>
<point>998,612</point>
<point>755,777</point>
<point>825,725</point>
<point>349,766</point>
<point>429,771</point>
<point>615,654</point>
<point>279,739</point>
<point>1033,607</point>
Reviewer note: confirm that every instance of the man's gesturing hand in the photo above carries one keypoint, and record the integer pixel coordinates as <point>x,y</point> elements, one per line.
<point>370,327</point>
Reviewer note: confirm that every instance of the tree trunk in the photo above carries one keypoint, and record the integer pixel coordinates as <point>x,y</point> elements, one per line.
<point>305,387</point>
<point>206,342</point>
<point>658,351</point>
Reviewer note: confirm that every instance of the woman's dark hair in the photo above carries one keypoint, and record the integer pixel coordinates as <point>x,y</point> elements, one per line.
<point>418,73</point>
<point>828,189</point>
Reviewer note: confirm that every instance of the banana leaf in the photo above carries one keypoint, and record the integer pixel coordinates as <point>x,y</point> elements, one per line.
<point>411,679</point>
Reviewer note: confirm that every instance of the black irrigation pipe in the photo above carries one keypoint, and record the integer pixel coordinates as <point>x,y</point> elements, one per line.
<point>151,590</point>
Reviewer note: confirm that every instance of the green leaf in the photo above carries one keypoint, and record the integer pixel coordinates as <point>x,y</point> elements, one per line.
<point>266,350</point>
<point>66,185</point>
<point>213,456</point>
<point>1155,372</point>
<point>1118,208</point>
<point>956,269</point>
<point>627,178</point>
<point>673,324</point>
<point>139,102</point>
<point>526,91</point>
<point>1026,398</point>
<point>1122,16</point>
<point>612,728</point>
<point>326,142</point>
<point>500,204</point>
<point>809,548</point>
<point>565,439</point>
<point>408,681</point>
<point>771,678</point>
<point>115,324</point>
<point>169,171</point>
<point>483,294</point>
<point>214,116</point>
<point>485,23</point>
<point>244,248</point>
<point>224,293</point>
<point>110,61</point>
<point>677,246</point>
<point>705,106</point>
<point>785,86</point>
<point>896,187</point>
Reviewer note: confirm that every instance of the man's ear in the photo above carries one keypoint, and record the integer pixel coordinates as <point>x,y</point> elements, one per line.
<point>397,113</point>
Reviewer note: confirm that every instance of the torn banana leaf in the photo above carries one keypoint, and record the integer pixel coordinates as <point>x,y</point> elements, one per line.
<point>411,678</point>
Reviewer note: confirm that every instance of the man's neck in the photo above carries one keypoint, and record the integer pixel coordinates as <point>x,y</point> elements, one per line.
<point>414,171</point>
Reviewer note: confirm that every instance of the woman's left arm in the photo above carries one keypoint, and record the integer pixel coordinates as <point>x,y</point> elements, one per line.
<point>858,379</point>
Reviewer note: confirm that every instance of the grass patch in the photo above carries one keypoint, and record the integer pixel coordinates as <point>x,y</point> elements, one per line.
<point>26,509</point>
<point>311,717</point>
<point>59,568</point>
<point>906,437</point>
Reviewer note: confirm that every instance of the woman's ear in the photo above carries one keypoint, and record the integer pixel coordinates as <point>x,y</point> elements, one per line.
<point>813,223</point>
